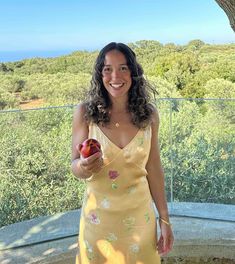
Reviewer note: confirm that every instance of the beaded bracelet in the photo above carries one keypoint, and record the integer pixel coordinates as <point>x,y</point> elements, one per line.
<point>164,221</point>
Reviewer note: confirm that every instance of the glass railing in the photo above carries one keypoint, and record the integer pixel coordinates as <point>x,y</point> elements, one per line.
<point>197,142</point>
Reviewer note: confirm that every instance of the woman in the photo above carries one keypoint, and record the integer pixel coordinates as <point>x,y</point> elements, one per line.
<point>118,224</point>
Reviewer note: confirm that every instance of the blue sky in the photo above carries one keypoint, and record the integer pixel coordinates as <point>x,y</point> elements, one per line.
<point>42,25</point>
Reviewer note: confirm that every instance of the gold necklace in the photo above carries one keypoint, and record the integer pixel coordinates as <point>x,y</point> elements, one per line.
<point>117,124</point>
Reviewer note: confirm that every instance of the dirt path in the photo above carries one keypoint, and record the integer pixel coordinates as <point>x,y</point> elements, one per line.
<point>32,104</point>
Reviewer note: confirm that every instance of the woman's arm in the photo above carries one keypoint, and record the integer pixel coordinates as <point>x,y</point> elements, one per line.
<point>157,188</point>
<point>155,172</point>
<point>82,168</point>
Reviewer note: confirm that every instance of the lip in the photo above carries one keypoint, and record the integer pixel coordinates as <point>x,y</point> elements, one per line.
<point>116,85</point>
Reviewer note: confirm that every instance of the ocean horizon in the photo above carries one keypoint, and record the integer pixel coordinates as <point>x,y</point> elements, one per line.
<point>12,56</point>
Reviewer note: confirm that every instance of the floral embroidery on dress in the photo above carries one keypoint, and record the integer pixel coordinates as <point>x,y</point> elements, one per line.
<point>131,189</point>
<point>94,219</point>
<point>134,248</point>
<point>140,141</point>
<point>111,237</point>
<point>114,186</point>
<point>147,217</point>
<point>89,249</point>
<point>113,174</point>
<point>105,203</point>
<point>129,223</point>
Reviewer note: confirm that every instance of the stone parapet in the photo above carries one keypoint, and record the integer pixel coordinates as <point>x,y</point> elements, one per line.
<point>204,237</point>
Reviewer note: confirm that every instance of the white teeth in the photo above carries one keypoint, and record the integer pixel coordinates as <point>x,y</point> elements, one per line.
<point>115,85</point>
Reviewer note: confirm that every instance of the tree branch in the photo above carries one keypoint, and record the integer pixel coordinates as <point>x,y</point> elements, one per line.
<point>229,8</point>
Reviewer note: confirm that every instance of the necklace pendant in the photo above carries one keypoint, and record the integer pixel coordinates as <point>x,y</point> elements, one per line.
<point>117,125</point>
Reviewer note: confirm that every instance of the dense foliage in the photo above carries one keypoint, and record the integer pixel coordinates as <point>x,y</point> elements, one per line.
<point>197,137</point>
<point>186,69</point>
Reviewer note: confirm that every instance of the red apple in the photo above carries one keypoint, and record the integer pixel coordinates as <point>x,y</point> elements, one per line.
<point>89,147</point>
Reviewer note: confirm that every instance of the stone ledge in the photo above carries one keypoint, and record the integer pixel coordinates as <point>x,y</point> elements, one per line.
<point>223,212</point>
<point>38,230</point>
<point>53,239</point>
<point>56,251</point>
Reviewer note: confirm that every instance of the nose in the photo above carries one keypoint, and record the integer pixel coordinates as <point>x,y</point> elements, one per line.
<point>115,74</point>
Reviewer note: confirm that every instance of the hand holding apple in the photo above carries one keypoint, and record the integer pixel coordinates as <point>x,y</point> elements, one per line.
<point>89,147</point>
<point>90,156</point>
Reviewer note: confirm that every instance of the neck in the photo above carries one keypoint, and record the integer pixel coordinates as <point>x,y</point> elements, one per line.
<point>119,107</point>
<point>118,110</point>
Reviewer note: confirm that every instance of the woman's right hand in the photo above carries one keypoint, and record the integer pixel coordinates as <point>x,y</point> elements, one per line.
<point>91,164</point>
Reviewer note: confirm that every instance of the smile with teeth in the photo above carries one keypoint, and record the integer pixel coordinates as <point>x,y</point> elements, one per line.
<point>116,85</point>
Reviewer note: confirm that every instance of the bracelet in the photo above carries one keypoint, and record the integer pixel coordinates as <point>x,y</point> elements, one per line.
<point>164,221</point>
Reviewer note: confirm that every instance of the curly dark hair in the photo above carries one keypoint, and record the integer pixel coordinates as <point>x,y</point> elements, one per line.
<point>98,103</point>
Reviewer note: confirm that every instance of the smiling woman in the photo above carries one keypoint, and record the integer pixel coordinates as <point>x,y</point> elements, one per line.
<point>118,222</point>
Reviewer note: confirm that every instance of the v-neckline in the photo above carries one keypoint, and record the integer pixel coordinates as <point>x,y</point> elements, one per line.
<point>127,145</point>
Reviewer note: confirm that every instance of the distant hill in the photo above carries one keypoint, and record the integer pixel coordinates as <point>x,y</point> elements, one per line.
<point>175,70</point>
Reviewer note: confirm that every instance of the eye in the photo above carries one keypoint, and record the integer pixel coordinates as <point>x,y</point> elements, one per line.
<point>107,70</point>
<point>124,68</point>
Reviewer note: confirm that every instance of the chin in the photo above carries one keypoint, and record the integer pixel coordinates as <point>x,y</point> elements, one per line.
<point>118,94</point>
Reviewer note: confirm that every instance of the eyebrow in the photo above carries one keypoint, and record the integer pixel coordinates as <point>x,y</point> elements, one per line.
<point>119,64</point>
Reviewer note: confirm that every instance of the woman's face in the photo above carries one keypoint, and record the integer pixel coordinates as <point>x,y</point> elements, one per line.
<point>116,75</point>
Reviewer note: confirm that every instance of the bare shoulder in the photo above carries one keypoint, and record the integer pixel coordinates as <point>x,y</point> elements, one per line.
<point>79,113</point>
<point>80,124</point>
<point>79,116</point>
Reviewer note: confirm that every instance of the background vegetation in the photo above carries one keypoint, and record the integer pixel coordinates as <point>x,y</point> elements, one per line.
<point>197,136</point>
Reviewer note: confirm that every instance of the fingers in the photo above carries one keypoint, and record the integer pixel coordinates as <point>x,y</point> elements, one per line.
<point>162,250</point>
<point>171,242</point>
<point>97,165</point>
<point>165,245</point>
<point>93,157</point>
<point>93,163</point>
<point>160,245</point>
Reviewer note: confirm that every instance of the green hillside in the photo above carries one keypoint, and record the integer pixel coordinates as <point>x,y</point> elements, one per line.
<point>175,71</point>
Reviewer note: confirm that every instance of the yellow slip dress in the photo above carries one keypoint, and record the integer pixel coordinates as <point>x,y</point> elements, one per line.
<point>118,223</point>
